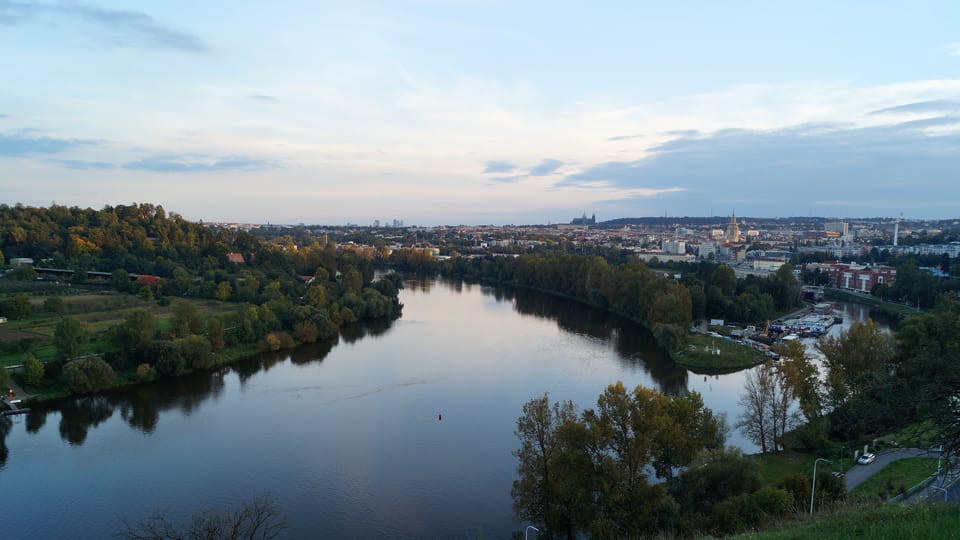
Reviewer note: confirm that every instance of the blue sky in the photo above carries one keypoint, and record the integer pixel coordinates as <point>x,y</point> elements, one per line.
<point>472,112</point>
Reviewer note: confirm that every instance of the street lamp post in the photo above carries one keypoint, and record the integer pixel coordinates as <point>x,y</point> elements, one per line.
<point>527,531</point>
<point>813,486</point>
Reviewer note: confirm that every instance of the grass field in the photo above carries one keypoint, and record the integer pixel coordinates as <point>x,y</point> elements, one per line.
<point>895,478</point>
<point>98,311</point>
<point>872,522</point>
<point>700,352</point>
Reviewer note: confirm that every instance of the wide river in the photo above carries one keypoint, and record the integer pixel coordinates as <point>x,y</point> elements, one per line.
<point>347,438</point>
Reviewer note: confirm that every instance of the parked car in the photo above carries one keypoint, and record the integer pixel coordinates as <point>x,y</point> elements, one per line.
<point>867,458</point>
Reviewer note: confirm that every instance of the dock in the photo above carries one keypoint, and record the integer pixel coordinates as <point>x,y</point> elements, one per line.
<point>12,406</point>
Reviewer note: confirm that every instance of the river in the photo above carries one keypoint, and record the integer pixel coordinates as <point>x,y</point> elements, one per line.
<point>347,438</point>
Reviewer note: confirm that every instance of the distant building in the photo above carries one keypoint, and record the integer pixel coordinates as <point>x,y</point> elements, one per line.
<point>236,258</point>
<point>769,264</point>
<point>857,277</point>
<point>19,262</point>
<point>592,220</point>
<point>839,227</point>
<point>674,247</point>
<point>732,233</point>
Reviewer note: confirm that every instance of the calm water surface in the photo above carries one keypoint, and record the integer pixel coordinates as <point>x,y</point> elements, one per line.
<point>344,437</point>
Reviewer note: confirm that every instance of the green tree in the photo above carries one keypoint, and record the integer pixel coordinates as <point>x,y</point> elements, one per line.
<point>87,376</point>
<point>54,304</point>
<point>18,308</point>
<point>33,371</point>
<point>536,491</point>
<point>724,278</point>
<point>224,291</point>
<point>69,337</point>
<point>853,358</point>
<point>186,320</point>
<point>802,378</point>
<point>216,334</point>
<point>138,330</point>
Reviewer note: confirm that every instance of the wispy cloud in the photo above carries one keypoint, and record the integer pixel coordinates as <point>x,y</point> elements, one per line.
<point>122,27</point>
<point>933,106</point>
<point>547,166</point>
<point>262,97</point>
<point>494,167</point>
<point>83,165</point>
<point>623,137</point>
<point>953,49</point>
<point>21,145</point>
<point>181,164</point>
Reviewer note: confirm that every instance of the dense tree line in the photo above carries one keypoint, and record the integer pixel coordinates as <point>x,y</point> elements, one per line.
<point>664,304</point>
<point>641,464</point>
<point>632,290</point>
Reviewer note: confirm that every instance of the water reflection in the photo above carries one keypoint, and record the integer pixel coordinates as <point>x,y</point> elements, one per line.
<point>5,425</point>
<point>79,414</point>
<point>635,345</point>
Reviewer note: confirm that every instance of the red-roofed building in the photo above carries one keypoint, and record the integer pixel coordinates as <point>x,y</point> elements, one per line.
<point>148,279</point>
<point>235,258</point>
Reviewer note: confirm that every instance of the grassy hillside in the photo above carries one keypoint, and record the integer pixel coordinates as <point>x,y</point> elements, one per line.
<point>874,522</point>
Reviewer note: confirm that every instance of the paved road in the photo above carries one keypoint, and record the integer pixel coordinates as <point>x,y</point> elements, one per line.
<point>860,473</point>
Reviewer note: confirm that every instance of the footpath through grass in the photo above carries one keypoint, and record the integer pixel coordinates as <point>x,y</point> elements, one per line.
<point>870,521</point>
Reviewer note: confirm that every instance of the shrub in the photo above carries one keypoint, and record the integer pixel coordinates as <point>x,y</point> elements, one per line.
<point>145,372</point>
<point>87,375</point>
<point>32,371</point>
<point>274,341</point>
<point>305,331</point>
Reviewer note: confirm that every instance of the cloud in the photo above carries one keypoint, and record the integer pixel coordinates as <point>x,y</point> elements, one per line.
<point>262,97</point>
<point>953,49</point>
<point>124,27</point>
<point>499,167</point>
<point>19,145</point>
<point>794,170</point>
<point>623,137</point>
<point>3,115</point>
<point>174,164</point>
<point>933,106</point>
<point>83,165</point>
<point>547,166</point>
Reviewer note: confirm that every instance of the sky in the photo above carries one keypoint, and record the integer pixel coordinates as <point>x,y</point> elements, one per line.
<point>482,112</point>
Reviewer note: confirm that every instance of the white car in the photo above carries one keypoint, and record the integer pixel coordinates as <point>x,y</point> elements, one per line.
<point>867,458</point>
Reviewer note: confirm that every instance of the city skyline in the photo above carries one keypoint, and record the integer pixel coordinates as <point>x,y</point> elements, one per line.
<point>481,112</point>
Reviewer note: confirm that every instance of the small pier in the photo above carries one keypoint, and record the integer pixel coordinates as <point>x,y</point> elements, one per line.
<point>12,406</point>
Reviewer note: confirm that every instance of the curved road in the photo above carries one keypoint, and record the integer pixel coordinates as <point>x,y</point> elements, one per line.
<point>860,473</point>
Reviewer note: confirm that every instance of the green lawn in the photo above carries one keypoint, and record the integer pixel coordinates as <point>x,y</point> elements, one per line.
<point>870,522</point>
<point>919,435</point>
<point>700,352</point>
<point>99,312</point>
<point>895,478</point>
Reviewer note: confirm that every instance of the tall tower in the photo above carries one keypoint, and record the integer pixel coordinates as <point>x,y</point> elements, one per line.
<point>733,230</point>
<point>896,230</point>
